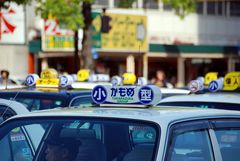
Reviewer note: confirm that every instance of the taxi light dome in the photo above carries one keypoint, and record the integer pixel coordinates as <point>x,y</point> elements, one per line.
<point>216,85</point>
<point>103,77</point>
<point>196,85</point>
<point>129,78</point>
<point>74,77</point>
<point>93,78</point>
<point>31,79</point>
<point>83,75</point>
<point>49,73</point>
<point>65,80</point>
<point>116,81</point>
<point>99,78</point>
<point>142,81</point>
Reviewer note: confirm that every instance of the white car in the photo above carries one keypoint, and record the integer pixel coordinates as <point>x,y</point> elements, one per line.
<point>229,101</point>
<point>9,108</point>
<point>131,134</point>
<point>126,132</point>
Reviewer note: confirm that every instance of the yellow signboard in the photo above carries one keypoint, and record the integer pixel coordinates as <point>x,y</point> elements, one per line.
<point>55,38</point>
<point>42,82</point>
<point>128,32</point>
<point>231,81</point>
<point>210,77</point>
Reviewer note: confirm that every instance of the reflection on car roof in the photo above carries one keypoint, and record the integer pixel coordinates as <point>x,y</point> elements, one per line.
<point>207,97</point>
<point>153,114</point>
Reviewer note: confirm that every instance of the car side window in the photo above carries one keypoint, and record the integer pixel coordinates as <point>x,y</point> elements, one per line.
<point>142,134</point>
<point>81,101</point>
<point>15,147</point>
<point>229,142</point>
<point>189,144</point>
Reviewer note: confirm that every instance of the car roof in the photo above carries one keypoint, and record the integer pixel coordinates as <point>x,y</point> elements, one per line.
<point>207,97</point>
<point>163,115</point>
<point>58,91</point>
<point>17,107</point>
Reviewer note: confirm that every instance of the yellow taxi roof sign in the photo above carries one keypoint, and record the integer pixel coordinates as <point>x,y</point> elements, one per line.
<point>83,75</point>
<point>129,78</point>
<point>49,74</point>
<point>210,77</point>
<point>231,81</point>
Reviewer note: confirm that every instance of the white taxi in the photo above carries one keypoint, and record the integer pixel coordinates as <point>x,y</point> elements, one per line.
<point>126,127</point>
<point>221,93</point>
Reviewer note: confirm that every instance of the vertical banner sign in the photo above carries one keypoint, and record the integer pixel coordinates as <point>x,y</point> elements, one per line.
<point>123,32</point>
<point>55,38</point>
<point>12,25</point>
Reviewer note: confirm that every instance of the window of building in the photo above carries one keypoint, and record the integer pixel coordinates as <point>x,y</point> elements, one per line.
<point>150,4</point>
<point>101,2</point>
<point>125,4</point>
<point>167,7</point>
<point>234,8</point>
<point>199,8</point>
<point>211,8</point>
<point>219,8</point>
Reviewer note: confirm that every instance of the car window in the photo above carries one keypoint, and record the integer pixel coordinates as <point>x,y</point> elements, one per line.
<point>142,134</point>
<point>229,142</point>
<point>81,101</point>
<point>34,104</point>
<point>102,139</point>
<point>189,144</point>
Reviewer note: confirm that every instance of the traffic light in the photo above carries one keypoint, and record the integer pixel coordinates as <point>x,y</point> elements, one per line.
<point>105,25</point>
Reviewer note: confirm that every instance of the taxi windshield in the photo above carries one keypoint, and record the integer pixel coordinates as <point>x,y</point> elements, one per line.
<point>89,138</point>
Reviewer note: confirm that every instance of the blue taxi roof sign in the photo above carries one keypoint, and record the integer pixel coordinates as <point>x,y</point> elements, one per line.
<point>216,85</point>
<point>133,95</point>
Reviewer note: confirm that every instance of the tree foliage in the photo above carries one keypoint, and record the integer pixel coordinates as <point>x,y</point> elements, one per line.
<point>67,12</point>
<point>125,3</point>
<point>182,7</point>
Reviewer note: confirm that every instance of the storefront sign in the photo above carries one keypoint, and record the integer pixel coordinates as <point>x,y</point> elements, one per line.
<point>12,25</point>
<point>124,32</point>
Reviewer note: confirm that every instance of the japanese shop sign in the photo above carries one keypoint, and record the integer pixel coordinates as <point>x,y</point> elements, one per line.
<point>124,32</point>
<point>55,38</point>
<point>12,25</point>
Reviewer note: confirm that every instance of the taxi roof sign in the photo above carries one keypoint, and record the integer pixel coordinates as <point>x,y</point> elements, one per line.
<point>231,81</point>
<point>210,77</point>
<point>215,85</point>
<point>83,75</point>
<point>134,95</point>
<point>49,73</point>
<point>129,78</point>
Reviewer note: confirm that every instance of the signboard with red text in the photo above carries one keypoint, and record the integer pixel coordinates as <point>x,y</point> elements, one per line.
<point>12,25</point>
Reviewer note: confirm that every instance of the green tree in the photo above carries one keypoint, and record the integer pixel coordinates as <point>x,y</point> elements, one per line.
<point>72,14</point>
<point>182,7</point>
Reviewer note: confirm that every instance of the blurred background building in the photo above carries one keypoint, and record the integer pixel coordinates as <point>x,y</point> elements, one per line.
<point>207,40</point>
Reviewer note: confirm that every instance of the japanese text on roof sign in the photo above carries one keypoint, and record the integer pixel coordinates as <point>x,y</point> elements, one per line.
<point>123,92</point>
